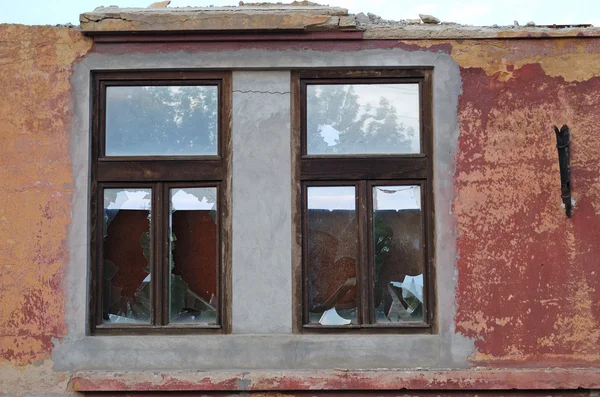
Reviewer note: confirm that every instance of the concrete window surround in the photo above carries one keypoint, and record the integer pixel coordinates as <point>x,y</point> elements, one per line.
<point>262,335</point>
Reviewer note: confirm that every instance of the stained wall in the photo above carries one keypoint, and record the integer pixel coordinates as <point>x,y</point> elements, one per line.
<point>527,284</point>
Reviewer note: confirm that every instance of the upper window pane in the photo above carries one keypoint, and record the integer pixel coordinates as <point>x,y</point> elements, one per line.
<point>161,121</point>
<point>363,119</point>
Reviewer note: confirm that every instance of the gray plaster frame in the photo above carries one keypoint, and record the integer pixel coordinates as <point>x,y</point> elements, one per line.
<point>261,198</point>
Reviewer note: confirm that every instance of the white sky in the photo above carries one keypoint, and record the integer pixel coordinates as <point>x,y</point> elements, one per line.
<point>472,12</point>
<point>181,199</point>
<point>343,197</point>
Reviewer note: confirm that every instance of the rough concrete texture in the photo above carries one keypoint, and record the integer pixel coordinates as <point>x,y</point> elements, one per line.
<point>264,17</point>
<point>35,169</point>
<point>517,282</point>
<point>261,191</point>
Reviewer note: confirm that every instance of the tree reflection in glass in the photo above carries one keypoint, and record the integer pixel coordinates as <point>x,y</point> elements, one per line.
<point>161,120</point>
<point>363,119</point>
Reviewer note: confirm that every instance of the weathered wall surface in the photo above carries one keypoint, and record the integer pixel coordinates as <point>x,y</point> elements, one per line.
<point>528,279</point>
<point>529,285</point>
<point>35,170</point>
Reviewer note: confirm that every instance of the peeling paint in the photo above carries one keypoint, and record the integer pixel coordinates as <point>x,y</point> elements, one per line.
<point>36,175</point>
<point>528,286</point>
<point>572,60</point>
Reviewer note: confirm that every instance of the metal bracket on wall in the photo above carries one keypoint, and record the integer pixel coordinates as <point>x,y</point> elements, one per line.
<point>563,140</point>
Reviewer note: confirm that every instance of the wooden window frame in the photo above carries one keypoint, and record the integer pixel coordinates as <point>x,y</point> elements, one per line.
<point>364,171</point>
<point>161,173</point>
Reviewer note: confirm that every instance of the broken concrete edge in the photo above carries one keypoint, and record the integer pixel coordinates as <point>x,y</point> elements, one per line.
<point>278,17</point>
<point>461,32</point>
<point>208,21</point>
<point>337,379</point>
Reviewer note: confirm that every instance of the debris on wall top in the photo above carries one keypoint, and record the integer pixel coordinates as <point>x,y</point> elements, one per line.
<point>303,16</point>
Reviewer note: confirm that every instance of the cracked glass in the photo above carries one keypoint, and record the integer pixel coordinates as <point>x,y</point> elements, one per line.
<point>399,262</point>
<point>193,259</point>
<point>127,256</point>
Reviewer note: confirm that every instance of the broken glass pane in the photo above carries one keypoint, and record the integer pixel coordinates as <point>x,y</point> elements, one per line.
<point>161,120</point>
<point>398,248</point>
<point>363,119</point>
<point>332,255</point>
<point>127,253</point>
<point>193,255</point>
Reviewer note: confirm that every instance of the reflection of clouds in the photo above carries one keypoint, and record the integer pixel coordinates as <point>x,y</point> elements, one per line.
<point>397,198</point>
<point>131,200</point>
<point>190,201</point>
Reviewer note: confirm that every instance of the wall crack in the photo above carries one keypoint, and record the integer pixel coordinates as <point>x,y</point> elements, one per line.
<point>262,92</point>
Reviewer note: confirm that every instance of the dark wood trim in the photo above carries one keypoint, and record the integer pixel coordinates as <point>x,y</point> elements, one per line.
<point>369,259</point>
<point>362,264</point>
<point>151,171</point>
<point>429,207</point>
<point>364,168</point>
<point>174,77</point>
<point>160,173</point>
<point>363,171</point>
<point>225,201</point>
<point>297,253</point>
<point>370,74</point>
<point>212,36</point>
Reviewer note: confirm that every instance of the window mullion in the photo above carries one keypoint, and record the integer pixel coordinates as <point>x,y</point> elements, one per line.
<point>362,270</point>
<point>158,317</point>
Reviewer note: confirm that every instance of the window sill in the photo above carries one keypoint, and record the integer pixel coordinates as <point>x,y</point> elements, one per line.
<point>337,379</point>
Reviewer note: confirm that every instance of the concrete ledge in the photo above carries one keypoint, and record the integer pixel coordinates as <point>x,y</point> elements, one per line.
<point>302,16</point>
<point>496,379</point>
<point>115,19</point>
<point>460,32</point>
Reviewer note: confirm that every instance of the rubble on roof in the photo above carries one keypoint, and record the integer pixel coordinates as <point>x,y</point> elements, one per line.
<point>303,16</point>
<point>299,15</point>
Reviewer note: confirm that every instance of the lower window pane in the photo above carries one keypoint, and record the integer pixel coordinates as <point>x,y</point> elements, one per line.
<point>398,250</point>
<point>332,255</point>
<point>193,255</point>
<point>126,286</point>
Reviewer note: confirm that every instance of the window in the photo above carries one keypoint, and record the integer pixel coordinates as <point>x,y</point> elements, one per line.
<point>363,146</point>
<point>160,202</point>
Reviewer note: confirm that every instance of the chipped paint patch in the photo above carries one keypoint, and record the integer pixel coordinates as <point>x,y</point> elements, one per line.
<point>573,60</point>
